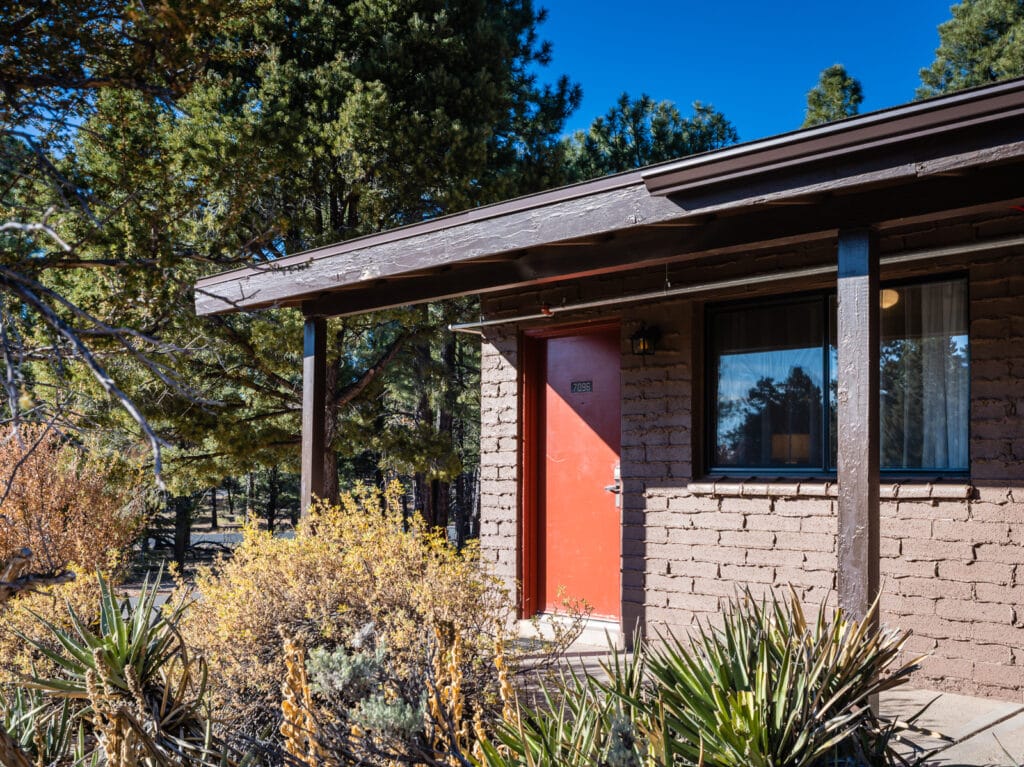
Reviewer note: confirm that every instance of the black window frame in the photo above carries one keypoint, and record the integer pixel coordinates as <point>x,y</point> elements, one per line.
<point>827,471</point>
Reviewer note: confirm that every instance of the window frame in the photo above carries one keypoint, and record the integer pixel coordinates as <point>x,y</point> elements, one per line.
<point>824,296</point>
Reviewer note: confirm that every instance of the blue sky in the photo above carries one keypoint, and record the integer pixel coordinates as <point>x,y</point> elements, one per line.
<point>754,61</point>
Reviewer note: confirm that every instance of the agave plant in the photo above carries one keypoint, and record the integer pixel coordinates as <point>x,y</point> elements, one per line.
<point>143,692</point>
<point>770,689</point>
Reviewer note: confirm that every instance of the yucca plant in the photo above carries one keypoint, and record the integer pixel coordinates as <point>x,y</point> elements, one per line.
<point>578,721</point>
<point>770,689</point>
<point>765,689</point>
<point>41,730</point>
<point>143,692</point>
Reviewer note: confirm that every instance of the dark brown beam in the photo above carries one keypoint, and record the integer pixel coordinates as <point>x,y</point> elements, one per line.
<point>858,435</point>
<point>541,267</point>
<point>935,199</point>
<point>909,167</point>
<point>919,123</point>
<point>314,410</point>
<point>566,217</point>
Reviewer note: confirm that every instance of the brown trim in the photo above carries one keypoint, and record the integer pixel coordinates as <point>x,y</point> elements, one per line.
<point>872,131</point>
<point>531,377</point>
<point>891,122</point>
<point>473,215</point>
<point>380,277</point>
<point>880,155</point>
<point>698,388</point>
<point>314,411</point>
<point>858,455</point>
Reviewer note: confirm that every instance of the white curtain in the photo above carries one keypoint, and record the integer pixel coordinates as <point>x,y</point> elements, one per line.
<point>944,375</point>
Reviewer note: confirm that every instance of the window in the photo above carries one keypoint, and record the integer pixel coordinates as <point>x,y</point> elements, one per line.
<point>773,386</point>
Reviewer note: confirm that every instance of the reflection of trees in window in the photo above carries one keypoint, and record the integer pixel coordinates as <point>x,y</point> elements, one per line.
<point>922,386</point>
<point>778,423</point>
<point>774,409</point>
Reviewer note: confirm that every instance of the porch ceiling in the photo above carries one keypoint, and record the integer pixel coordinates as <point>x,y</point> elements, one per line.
<point>956,156</point>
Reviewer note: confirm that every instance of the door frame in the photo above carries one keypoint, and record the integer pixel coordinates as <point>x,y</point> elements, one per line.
<point>532,377</point>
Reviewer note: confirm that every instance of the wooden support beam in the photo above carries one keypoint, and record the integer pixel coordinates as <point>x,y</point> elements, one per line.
<point>858,415</point>
<point>314,410</point>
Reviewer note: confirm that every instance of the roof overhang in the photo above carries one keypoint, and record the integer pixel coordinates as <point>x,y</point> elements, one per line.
<point>921,161</point>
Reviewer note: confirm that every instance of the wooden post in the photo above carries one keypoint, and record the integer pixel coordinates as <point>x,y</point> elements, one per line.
<point>858,429</point>
<point>314,410</point>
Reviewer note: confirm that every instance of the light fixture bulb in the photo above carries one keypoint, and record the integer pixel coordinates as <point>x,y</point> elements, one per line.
<point>889,298</point>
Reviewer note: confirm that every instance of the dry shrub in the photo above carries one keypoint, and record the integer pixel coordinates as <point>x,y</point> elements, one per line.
<point>67,504</point>
<point>16,655</point>
<point>346,567</point>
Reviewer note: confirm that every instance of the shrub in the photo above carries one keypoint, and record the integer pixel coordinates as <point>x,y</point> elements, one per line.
<point>21,618</point>
<point>767,689</point>
<point>770,688</point>
<point>68,505</point>
<point>132,684</point>
<point>346,567</point>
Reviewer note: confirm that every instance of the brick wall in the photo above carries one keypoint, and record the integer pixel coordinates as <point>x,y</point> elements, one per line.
<point>499,452</point>
<point>954,574</point>
<point>952,567</point>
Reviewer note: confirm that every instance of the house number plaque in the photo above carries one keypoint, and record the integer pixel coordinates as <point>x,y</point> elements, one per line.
<point>581,387</point>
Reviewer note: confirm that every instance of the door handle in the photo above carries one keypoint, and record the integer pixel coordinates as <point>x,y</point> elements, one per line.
<point>616,486</point>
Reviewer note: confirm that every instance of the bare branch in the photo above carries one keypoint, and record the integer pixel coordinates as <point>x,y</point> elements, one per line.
<point>15,577</point>
<point>54,321</point>
<point>38,226</point>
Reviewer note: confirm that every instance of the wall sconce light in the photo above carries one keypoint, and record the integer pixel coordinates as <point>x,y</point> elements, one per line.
<point>644,340</point>
<point>888,298</point>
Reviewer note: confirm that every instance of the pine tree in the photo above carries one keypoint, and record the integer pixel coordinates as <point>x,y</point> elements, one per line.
<point>639,132</point>
<point>836,96</point>
<point>340,119</point>
<point>983,43</point>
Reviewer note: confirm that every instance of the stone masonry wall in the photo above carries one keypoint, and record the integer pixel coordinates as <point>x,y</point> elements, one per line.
<point>952,552</point>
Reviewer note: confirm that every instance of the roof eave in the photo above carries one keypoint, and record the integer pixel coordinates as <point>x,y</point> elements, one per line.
<point>896,125</point>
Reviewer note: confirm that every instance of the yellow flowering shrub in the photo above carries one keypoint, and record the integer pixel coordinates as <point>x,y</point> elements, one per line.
<point>50,604</point>
<point>347,566</point>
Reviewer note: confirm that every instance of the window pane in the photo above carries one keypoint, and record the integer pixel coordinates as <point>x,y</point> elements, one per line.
<point>769,385</point>
<point>833,383</point>
<point>925,376</point>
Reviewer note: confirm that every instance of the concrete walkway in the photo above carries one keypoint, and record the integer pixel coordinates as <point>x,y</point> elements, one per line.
<point>975,725</point>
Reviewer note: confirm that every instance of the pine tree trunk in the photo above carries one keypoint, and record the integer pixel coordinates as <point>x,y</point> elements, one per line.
<point>250,495</point>
<point>421,496</point>
<point>214,525</point>
<point>442,492</point>
<point>272,491</point>
<point>331,489</point>
<point>182,529</point>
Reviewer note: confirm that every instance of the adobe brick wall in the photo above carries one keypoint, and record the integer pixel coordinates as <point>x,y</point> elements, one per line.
<point>499,452</point>
<point>952,568</point>
<point>954,575</point>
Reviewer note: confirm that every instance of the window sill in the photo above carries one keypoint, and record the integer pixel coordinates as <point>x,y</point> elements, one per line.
<point>893,491</point>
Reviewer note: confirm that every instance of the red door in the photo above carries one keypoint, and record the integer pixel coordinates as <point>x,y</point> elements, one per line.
<point>578,536</point>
